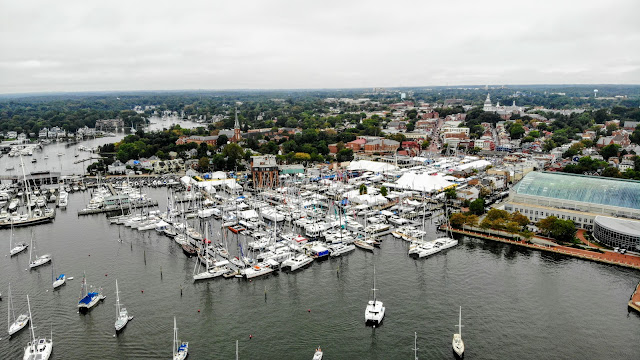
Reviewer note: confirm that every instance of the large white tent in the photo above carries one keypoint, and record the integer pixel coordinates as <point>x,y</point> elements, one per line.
<point>374,166</point>
<point>421,181</point>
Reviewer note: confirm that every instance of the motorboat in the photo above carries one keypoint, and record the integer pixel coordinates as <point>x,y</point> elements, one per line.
<point>122,316</point>
<point>37,349</point>
<point>15,324</point>
<point>180,348</point>
<point>457,344</point>
<point>374,312</point>
<point>260,269</point>
<point>318,354</point>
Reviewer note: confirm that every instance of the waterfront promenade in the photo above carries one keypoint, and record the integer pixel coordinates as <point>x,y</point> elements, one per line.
<point>607,257</point>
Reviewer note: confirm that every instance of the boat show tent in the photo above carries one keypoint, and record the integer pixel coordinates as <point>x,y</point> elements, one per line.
<point>422,182</point>
<point>249,215</point>
<point>375,166</point>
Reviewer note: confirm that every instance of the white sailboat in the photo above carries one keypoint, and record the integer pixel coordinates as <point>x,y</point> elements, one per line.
<point>15,249</point>
<point>457,343</point>
<point>37,349</point>
<point>39,260</point>
<point>374,313</point>
<point>122,316</point>
<point>59,280</point>
<point>15,324</point>
<point>180,349</point>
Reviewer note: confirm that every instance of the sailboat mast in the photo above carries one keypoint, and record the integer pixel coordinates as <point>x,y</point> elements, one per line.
<point>175,335</point>
<point>415,345</point>
<point>9,311</point>
<point>33,335</point>
<point>460,322</point>
<point>117,300</point>
<point>374,284</point>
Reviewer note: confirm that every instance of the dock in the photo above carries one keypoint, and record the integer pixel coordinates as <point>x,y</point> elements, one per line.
<point>634,301</point>
<point>606,257</point>
<point>113,208</point>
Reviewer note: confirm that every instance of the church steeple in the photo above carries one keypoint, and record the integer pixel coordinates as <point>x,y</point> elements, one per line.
<point>236,130</point>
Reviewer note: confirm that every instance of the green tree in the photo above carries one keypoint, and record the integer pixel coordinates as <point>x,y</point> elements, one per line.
<point>222,140</point>
<point>383,191</point>
<point>457,220</point>
<point>609,151</point>
<point>344,155</point>
<point>477,206</point>
<point>363,189</point>
<point>516,130</point>
<point>450,193</point>
<point>203,163</point>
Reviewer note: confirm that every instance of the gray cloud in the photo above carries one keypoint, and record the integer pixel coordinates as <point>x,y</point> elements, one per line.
<point>130,45</point>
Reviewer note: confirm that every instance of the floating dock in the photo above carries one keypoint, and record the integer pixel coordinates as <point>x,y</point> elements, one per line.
<point>114,208</point>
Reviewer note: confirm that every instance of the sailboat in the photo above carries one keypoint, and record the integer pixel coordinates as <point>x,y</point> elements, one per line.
<point>457,343</point>
<point>15,249</point>
<point>17,324</point>
<point>38,261</point>
<point>180,349</point>
<point>88,299</point>
<point>122,316</point>
<point>59,280</point>
<point>374,313</point>
<point>37,349</point>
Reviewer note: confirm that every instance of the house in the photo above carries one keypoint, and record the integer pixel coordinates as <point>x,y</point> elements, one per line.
<point>209,140</point>
<point>117,168</point>
<point>43,133</point>
<point>12,134</point>
<point>356,144</point>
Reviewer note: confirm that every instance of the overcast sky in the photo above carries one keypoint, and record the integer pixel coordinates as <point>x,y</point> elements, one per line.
<point>160,45</point>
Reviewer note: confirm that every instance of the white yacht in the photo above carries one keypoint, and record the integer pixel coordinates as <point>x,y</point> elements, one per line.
<point>457,344</point>
<point>445,243</point>
<point>318,354</point>
<point>374,313</point>
<point>212,272</point>
<point>180,348</point>
<point>39,260</point>
<point>122,316</point>
<point>297,262</point>
<point>37,349</point>
<point>260,269</point>
<point>15,324</point>
<point>340,249</point>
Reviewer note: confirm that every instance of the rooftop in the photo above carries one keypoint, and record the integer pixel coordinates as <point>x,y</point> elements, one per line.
<point>590,189</point>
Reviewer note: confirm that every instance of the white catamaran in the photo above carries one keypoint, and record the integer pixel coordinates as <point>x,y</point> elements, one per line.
<point>180,348</point>
<point>122,316</point>
<point>15,324</point>
<point>374,313</point>
<point>457,343</point>
<point>37,349</point>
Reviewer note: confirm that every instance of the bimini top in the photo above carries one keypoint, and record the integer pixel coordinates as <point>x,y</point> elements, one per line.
<point>590,189</point>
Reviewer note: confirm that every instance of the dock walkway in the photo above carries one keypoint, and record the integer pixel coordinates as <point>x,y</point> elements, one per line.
<point>608,257</point>
<point>108,209</point>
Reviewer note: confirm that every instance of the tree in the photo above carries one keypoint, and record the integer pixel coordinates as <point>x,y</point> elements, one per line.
<point>520,219</point>
<point>516,130</point>
<point>203,163</point>
<point>471,220</point>
<point>545,225</point>
<point>363,189</point>
<point>222,140</point>
<point>477,206</point>
<point>609,151</point>
<point>457,220</point>
<point>450,193</point>
<point>383,191</point>
<point>344,155</point>
<point>563,230</point>
<point>425,145</point>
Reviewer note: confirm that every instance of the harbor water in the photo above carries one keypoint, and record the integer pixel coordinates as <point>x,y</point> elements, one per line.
<point>516,303</point>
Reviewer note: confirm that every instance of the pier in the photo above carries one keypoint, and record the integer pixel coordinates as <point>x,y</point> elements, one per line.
<point>112,208</point>
<point>606,257</point>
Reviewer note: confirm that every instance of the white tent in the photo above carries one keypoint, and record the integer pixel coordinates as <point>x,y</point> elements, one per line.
<point>478,164</point>
<point>374,166</point>
<point>422,182</point>
<point>369,199</point>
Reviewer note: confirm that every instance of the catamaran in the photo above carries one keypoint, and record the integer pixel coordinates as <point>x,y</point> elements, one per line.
<point>180,348</point>
<point>457,343</point>
<point>38,261</point>
<point>17,248</point>
<point>88,299</point>
<point>59,280</point>
<point>37,349</point>
<point>374,313</point>
<point>18,323</point>
<point>122,316</point>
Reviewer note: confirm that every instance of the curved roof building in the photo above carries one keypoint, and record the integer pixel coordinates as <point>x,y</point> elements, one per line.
<point>579,188</point>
